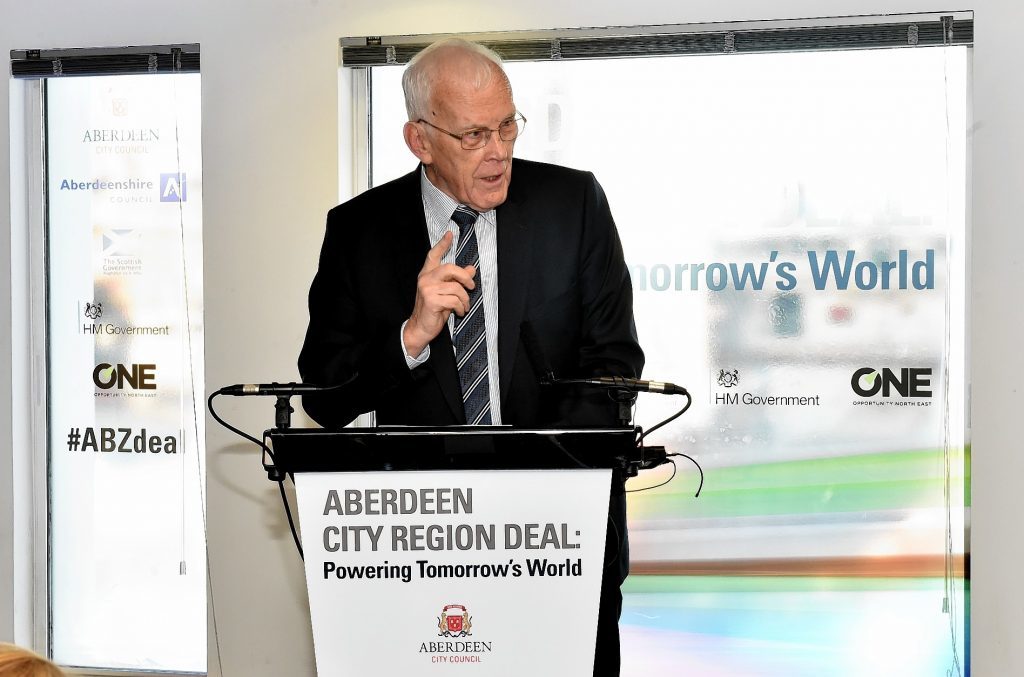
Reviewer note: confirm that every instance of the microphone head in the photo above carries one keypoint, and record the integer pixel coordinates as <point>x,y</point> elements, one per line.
<point>272,389</point>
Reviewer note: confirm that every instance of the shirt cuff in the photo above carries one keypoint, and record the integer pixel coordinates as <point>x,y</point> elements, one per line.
<point>412,362</point>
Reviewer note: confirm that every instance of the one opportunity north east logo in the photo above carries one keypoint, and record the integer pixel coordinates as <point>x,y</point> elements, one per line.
<point>903,387</point>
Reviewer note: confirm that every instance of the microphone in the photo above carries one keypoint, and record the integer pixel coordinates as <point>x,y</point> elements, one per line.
<point>274,389</point>
<point>546,375</point>
<point>635,384</point>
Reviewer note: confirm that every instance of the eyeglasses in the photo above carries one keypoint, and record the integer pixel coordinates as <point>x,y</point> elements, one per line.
<point>472,139</point>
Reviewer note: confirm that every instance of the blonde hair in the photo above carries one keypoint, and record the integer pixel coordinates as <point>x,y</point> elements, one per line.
<point>18,662</point>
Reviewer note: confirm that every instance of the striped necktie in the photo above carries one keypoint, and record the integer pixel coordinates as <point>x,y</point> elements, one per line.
<point>468,332</point>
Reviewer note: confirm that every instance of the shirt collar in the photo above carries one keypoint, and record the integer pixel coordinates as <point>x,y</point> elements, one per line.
<point>438,202</point>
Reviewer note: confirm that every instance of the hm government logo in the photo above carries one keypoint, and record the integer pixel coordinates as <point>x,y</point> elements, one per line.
<point>173,187</point>
<point>93,311</point>
<point>728,379</point>
<point>454,621</point>
<point>879,387</point>
<point>453,624</point>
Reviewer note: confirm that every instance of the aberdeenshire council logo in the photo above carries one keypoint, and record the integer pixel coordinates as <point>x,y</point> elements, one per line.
<point>455,623</point>
<point>131,190</point>
<point>173,187</point>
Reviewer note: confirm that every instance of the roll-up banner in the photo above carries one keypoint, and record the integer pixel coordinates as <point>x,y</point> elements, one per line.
<point>125,340</point>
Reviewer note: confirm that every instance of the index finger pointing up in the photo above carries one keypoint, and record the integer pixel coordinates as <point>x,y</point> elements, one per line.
<point>438,251</point>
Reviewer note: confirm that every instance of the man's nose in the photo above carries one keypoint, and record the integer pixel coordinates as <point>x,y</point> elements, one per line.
<point>496,148</point>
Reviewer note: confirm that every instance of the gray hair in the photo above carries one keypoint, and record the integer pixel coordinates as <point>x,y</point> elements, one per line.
<point>422,73</point>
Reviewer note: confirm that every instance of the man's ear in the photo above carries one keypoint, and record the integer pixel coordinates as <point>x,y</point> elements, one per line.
<point>417,141</point>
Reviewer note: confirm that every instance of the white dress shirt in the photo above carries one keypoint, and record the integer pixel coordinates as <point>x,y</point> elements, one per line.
<point>438,209</point>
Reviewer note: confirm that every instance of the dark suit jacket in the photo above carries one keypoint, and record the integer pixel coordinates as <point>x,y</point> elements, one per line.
<point>565,303</point>
<point>561,274</point>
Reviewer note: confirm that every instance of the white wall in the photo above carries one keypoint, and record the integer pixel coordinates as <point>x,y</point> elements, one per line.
<point>270,104</point>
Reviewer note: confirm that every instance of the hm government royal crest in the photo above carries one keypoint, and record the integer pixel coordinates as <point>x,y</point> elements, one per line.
<point>728,379</point>
<point>454,621</point>
<point>93,310</point>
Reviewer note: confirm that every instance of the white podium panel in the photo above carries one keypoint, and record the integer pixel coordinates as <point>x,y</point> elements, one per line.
<point>498,571</point>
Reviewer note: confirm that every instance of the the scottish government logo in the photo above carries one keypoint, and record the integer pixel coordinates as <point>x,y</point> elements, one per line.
<point>454,621</point>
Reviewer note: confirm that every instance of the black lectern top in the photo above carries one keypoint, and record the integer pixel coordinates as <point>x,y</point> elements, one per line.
<point>457,448</point>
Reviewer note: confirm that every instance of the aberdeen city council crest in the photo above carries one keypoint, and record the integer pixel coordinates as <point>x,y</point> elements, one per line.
<point>454,621</point>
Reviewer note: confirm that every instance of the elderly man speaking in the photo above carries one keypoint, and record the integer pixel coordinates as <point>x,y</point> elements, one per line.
<point>436,292</point>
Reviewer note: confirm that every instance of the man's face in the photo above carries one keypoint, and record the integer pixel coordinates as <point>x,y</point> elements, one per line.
<point>480,177</point>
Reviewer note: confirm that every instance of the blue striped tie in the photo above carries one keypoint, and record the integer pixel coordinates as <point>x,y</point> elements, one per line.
<point>468,332</point>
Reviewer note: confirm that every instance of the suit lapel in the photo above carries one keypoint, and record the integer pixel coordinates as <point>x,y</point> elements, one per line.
<point>442,356</point>
<point>514,261</point>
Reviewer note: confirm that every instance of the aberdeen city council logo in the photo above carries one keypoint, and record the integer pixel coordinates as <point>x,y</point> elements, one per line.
<point>728,379</point>
<point>93,310</point>
<point>454,621</point>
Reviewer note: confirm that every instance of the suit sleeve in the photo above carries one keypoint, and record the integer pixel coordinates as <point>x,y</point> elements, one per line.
<point>610,346</point>
<point>608,342</point>
<point>345,342</point>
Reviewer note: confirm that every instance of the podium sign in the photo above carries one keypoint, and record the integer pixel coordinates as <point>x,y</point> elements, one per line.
<point>410,572</point>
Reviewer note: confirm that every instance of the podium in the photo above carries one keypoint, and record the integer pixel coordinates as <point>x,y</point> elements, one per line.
<point>482,547</point>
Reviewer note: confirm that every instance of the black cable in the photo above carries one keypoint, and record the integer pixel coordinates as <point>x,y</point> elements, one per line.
<point>640,443</point>
<point>670,478</point>
<point>213,412</point>
<point>689,401</point>
<point>618,542</point>
<point>291,523</point>
<point>699,469</point>
<point>263,445</point>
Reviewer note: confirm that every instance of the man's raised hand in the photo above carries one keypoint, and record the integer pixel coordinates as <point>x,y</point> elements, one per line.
<point>440,291</point>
